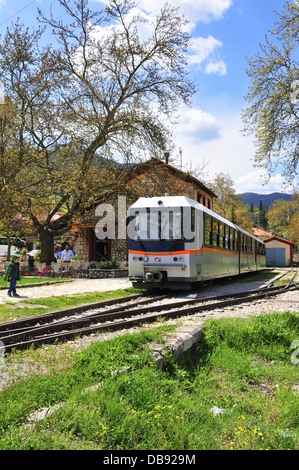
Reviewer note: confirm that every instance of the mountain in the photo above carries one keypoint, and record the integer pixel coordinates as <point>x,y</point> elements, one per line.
<point>267,199</point>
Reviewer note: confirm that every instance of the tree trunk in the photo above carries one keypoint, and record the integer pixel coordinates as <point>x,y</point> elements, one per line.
<point>47,246</point>
<point>8,248</point>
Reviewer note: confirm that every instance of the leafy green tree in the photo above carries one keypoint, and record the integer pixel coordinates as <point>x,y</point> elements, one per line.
<point>262,219</point>
<point>101,92</point>
<point>283,217</point>
<point>273,112</point>
<point>228,203</point>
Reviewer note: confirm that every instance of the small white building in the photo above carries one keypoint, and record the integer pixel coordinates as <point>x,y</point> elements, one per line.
<point>279,252</point>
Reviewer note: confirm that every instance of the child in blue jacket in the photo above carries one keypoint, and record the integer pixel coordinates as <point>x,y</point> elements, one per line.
<point>13,275</point>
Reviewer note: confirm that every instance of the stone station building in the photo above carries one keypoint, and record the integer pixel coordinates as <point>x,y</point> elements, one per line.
<point>154,177</point>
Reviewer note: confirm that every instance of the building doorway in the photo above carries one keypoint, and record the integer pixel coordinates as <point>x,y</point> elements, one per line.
<point>100,249</point>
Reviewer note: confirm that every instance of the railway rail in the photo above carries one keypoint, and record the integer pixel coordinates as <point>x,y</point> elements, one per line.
<point>119,314</point>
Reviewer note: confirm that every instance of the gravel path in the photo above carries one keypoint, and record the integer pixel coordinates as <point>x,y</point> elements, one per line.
<point>76,286</point>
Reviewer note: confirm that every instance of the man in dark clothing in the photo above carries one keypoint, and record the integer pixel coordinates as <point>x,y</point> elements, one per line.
<point>13,275</point>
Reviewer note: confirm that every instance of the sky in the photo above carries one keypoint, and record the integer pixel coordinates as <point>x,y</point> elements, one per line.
<point>223,33</point>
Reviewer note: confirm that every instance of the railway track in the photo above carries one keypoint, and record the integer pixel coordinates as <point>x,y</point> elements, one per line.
<point>118,314</point>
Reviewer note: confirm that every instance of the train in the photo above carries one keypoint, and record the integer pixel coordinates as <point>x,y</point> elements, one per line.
<point>175,243</point>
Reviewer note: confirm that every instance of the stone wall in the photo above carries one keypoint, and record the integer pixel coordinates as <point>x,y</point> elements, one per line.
<point>119,250</point>
<point>81,245</point>
<point>108,273</point>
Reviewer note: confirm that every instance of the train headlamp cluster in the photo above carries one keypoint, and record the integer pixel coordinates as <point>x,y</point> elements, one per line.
<point>140,258</point>
<point>181,258</point>
<point>145,258</point>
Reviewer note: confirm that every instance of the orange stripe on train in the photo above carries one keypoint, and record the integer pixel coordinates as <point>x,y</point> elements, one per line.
<point>185,252</point>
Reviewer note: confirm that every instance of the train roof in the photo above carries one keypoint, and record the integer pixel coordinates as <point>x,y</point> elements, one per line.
<point>183,201</point>
<point>163,201</point>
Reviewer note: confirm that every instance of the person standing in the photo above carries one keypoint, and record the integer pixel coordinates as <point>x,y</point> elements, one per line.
<point>66,257</point>
<point>13,274</point>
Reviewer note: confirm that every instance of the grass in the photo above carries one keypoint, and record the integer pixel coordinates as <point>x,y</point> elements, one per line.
<point>31,280</point>
<point>10,310</point>
<point>243,368</point>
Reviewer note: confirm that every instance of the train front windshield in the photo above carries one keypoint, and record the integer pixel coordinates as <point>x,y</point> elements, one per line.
<point>157,225</point>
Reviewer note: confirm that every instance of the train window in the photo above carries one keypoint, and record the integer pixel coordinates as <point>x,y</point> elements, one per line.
<point>192,219</point>
<point>170,225</point>
<point>141,224</point>
<point>158,225</point>
<point>165,224</point>
<point>215,232</point>
<point>137,221</point>
<point>221,235</point>
<point>261,249</point>
<point>230,239</point>
<point>226,229</point>
<point>237,241</point>
<point>208,230</point>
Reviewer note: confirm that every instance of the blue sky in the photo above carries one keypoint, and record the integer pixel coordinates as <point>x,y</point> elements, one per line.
<point>223,33</point>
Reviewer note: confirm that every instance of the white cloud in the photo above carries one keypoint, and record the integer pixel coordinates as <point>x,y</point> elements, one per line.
<point>218,143</point>
<point>203,50</point>
<point>197,126</point>
<point>194,10</point>
<point>255,182</point>
<point>2,3</point>
<point>216,67</point>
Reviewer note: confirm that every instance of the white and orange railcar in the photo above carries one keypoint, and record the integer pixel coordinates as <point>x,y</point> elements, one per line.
<point>175,242</point>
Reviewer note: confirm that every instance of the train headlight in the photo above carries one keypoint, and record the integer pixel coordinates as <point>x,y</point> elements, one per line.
<point>181,258</point>
<point>135,258</point>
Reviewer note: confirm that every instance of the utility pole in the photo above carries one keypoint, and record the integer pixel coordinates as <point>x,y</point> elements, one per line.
<point>181,157</point>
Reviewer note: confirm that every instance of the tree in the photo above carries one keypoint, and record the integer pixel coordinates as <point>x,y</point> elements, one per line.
<point>294,228</point>
<point>229,204</point>
<point>283,217</point>
<point>103,92</point>
<point>273,114</point>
